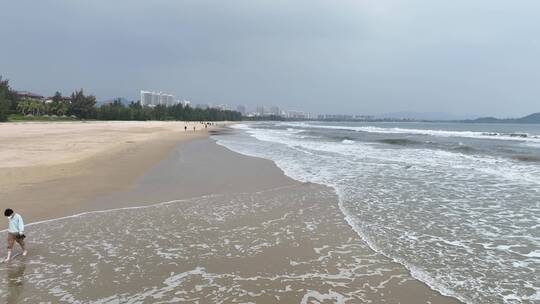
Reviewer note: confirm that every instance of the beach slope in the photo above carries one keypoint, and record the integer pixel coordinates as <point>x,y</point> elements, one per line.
<point>206,225</point>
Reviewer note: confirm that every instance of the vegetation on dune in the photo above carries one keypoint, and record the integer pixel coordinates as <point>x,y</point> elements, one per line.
<point>81,106</point>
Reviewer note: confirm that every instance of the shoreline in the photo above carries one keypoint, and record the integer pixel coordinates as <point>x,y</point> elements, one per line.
<point>414,273</point>
<point>231,221</point>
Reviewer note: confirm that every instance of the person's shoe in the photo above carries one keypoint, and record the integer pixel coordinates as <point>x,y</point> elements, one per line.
<point>25,253</point>
<point>6,260</point>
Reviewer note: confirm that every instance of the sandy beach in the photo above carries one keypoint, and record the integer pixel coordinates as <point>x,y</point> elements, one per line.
<point>48,169</point>
<point>188,221</point>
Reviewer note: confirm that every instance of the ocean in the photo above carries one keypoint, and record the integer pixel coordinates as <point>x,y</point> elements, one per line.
<point>457,205</point>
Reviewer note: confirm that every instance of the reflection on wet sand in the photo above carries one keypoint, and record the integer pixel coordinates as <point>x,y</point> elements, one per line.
<point>15,280</point>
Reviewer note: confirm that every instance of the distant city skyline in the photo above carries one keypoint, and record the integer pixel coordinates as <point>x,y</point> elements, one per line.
<point>364,57</point>
<point>151,98</point>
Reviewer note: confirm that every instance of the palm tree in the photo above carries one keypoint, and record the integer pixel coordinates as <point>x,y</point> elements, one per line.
<point>24,106</point>
<point>35,107</point>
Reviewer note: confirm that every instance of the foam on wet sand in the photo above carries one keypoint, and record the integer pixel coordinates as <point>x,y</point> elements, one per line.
<point>209,226</point>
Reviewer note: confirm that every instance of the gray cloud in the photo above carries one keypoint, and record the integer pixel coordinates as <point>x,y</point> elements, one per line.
<point>323,56</point>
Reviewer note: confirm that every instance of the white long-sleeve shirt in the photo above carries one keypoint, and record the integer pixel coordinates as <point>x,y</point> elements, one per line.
<point>16,224</point>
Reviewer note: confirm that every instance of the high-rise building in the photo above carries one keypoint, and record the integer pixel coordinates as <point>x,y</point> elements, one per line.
<point>268,111</point>
<point>170,100</point>
<point>335,117</point>
<point>162,99</point>
<point>149,98</point>
<point>298,115</point>
<point>146,98</point>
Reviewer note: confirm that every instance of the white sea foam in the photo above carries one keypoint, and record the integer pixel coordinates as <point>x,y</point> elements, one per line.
<point>497,167</point>
<point>319,297</point>
<point>513,136</point>
<point>533,254</point>
<point>70,264</point>
<point>429,210</point>
<point>532,144</point>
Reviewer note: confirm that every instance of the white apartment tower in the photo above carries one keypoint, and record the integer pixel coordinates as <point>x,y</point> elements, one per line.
<point>162,99</point>
<point>146,98</point>
<point>149,98</point>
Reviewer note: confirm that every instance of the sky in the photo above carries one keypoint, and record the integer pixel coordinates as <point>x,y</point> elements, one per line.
<point>460,57</point>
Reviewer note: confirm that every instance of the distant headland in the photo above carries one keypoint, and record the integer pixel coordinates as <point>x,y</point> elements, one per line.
<point>529,119</point>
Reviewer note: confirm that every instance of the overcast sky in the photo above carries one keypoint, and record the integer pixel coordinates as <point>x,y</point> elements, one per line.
<point>362,57</point>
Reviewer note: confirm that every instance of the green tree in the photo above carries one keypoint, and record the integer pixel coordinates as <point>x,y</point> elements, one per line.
<point>57,97</point>
<point>55,103</point>
<point>9,96</point>
<point>37,107</point>
<point>82,106</point>
<point>114,111</point>
<point>5,102</point>
<point>30,106</point>
<point>23,106</point>
<point>159,112</point>
<point>137,112</point>
<point>4,106</point>
<point>58,106</point>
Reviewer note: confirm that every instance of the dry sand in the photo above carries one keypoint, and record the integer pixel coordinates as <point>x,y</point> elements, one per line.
<point>48,169</point>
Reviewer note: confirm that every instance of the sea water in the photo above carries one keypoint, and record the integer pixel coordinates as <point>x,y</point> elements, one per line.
<point>457,204</point>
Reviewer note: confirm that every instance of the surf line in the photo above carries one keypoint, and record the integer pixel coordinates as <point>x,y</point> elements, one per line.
<point>154,204</point>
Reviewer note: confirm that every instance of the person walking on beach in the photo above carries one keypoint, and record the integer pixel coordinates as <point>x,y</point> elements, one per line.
<point>15,232</point>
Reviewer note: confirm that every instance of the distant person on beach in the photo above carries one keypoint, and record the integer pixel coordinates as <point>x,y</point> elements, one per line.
<point>193,128</point>
<point>185,128</point>
<point>15,232</point>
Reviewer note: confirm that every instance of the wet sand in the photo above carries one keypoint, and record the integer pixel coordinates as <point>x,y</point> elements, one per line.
<point>229,229</point>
